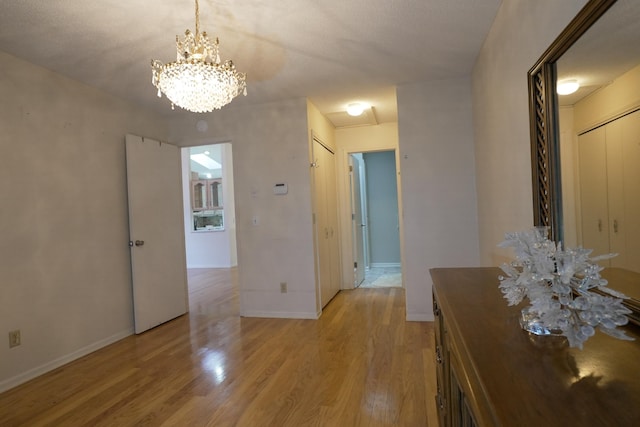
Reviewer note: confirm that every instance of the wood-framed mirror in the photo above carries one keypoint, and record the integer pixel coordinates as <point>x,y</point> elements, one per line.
<point>585,148</point>
<point>544,122</point>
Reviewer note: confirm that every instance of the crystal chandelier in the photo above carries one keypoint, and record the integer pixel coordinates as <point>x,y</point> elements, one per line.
<point>197,81</point>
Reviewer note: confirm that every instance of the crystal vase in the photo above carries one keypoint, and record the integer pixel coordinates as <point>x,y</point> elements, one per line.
<point>531,322</point>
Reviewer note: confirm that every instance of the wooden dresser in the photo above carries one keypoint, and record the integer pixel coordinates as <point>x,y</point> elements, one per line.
<point>492,373</point>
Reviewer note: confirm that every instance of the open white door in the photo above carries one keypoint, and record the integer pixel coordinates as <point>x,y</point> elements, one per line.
<point>156,232</point>
<point>357,223</point>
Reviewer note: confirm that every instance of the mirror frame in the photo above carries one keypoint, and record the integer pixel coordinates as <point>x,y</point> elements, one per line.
<point>543,121</point>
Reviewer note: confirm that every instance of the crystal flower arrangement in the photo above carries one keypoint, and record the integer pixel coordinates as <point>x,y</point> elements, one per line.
<point>559,283</point>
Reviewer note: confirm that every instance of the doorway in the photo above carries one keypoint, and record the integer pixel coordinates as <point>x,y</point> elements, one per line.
<point>209,206</point>
<point>375,223</point>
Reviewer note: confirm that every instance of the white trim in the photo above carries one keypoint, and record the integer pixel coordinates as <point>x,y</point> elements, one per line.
<point>50,366</point>
<point>282,314</point>
<point>384,264</point>
<point>195,266</point>
<point>419,317</point>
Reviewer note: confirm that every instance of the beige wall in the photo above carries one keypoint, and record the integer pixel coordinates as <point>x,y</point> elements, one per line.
<point>438,185</point>
<point>618,98</point>
<point>64,260</point>
<point>270,145</point>
<point>570,199</point>
<point>521,32</point>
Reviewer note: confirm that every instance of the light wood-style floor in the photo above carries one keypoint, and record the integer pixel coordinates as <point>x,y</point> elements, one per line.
<point>360,364</point>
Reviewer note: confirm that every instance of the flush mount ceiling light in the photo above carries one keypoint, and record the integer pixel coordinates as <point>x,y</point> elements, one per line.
<point>355,109</point>
<point>198,81</point>
<point>567,87</point>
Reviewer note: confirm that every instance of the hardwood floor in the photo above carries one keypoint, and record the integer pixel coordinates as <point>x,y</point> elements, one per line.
<point>360,364</point>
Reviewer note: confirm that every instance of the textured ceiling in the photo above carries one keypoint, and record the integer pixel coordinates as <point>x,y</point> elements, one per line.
<point>332,51</point>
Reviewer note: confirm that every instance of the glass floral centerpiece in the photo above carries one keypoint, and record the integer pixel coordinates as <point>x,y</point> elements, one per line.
<point>559,283</point>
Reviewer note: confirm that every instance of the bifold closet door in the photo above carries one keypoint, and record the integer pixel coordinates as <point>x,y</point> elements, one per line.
<point>593,191</point>
<point>631,184</point>
<point>609,164</point>
<point>326,219</point>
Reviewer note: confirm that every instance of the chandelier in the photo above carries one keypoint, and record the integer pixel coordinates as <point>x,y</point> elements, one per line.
<point>198,81</point>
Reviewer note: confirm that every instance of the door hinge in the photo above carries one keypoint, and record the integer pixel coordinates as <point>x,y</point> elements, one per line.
<point>355,264</point>
<point>350,168</point>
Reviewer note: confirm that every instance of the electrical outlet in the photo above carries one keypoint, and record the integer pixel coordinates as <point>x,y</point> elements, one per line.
<point>283,287</point>
<point>14,338</point>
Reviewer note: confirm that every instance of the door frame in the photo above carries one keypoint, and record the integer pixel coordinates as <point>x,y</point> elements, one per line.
<point>344,202</point>
<point>230,229</point>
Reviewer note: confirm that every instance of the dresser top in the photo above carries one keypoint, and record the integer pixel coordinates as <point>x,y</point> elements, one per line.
<point>533,381</point>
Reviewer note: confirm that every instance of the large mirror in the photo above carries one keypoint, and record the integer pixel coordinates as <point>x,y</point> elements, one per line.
<point>586,145</point>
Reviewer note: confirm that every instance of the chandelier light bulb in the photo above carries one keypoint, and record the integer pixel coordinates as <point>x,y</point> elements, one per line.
<point>198,81</point>
<point>567,87</point>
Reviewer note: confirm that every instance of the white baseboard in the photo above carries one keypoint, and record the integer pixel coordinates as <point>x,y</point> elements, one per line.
<point>384,265</point>
<point>281,314</point>
<point>194,266</point>
<point>419,317</point>
<point>50,366</point>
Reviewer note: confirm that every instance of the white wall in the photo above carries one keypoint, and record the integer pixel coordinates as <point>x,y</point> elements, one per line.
<point>438,185</point>
<point>521,32</point>
<point>270,145</point>
<point>210,249</point>
<point>65,276</point>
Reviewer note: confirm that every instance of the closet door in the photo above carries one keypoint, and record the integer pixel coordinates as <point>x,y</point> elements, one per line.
<point>615,193</point>
<point>630,228</point>
<point>593,191</point>
<point>325,213</point>
<point>610,190</point>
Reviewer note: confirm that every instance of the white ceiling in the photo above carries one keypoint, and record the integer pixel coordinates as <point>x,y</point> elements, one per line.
<point>332,51</point>
<point>610,48</point>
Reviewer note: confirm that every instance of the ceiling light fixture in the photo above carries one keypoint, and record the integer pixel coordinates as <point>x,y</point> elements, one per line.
<point>567,87</point>
<point>197,81</point>
<point>206,161</point>
<point>355,109</point>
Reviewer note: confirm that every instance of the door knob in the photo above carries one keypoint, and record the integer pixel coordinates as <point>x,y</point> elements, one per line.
<point>139,242</point>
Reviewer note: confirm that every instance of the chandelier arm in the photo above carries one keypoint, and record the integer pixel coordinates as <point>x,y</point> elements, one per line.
<point>197,19</point>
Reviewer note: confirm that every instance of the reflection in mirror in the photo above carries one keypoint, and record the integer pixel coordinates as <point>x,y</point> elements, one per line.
<point>205,163</point>
<point>586,146</point>
<point>599,130</point>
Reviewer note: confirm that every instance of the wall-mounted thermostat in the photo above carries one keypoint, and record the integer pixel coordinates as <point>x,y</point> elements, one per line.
<point>280,189</point>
